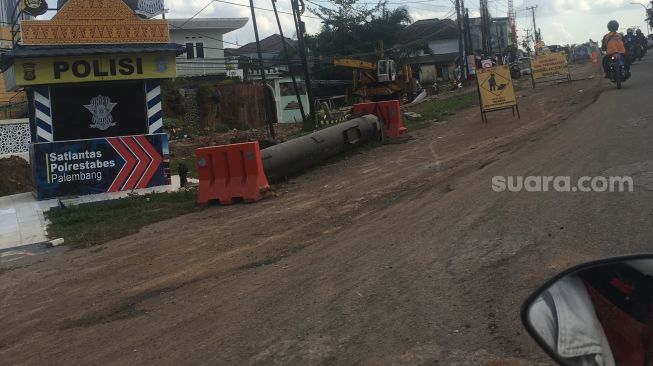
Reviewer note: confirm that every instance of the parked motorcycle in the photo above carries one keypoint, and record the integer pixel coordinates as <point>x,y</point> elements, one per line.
<point>617,69</point>
<point>600,313</point>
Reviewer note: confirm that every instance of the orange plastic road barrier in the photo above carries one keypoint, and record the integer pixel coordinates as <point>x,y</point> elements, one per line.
<point>389,112</point>
<point>231,172</point>
<point>595,59</point>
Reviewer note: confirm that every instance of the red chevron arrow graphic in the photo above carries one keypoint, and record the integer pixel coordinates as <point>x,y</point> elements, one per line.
<point>143,162</point>
<point>128,166</point>
<point>154,165</point>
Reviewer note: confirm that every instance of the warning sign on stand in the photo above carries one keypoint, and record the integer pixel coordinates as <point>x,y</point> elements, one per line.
<point>551,65</point>
<point>495,85</point>
<point>550,68</point>
<point>496,90</point>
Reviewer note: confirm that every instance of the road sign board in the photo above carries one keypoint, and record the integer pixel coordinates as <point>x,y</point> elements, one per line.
<point>84,69</point>
<point>495,87</point>
<point>554,64</point>
<point>112,164</point>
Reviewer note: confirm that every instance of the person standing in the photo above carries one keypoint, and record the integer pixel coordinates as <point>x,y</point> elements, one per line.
<point>216,98</point>
<point>493,83</point>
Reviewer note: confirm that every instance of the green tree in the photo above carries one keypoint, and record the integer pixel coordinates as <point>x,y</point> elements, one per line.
<point>388,26</point>
<point>352,27</point>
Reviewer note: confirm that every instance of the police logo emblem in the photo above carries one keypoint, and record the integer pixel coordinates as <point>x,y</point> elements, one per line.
<point>161,65</point>
<point>101,108</point>
<point>150,8</point>
<point>35,7</point>
<point>29,71</point>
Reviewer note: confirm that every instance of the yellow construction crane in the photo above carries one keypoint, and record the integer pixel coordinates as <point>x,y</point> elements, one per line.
<point>378,80</point>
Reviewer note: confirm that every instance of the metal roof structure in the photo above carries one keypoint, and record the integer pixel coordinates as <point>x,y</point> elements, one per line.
<point>7,58</point>
<point>226,24</point>
<point>432,59</point>
<point>271,44</point>
<point>431,30</point>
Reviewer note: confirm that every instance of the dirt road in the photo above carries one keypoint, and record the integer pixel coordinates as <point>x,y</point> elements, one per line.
<point>398,255</point>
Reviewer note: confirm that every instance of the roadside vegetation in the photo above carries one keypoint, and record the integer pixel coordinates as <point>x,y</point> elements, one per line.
<point>189,162</point>
<point>439,110</point>
<point>94,224</point>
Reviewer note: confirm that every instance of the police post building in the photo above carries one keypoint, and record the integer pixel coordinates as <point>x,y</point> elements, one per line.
<point>92,75</point>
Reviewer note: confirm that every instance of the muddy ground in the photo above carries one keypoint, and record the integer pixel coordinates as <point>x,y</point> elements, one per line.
<point>185,148</point>
<point>387,257</point>
<point>16,176</point>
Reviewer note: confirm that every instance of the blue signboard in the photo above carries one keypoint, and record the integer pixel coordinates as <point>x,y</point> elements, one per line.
<point>112,164</point>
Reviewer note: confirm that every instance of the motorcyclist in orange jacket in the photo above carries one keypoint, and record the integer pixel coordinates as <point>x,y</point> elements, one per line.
<point>613,43</point>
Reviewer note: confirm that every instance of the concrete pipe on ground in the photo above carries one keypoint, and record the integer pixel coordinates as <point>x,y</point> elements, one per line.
<point>293,156</point>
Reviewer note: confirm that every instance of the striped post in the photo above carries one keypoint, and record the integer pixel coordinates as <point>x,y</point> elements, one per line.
<point>43,114</point>
<point>154,110</point>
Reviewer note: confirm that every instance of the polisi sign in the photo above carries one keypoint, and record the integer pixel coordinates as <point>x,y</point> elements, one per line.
<point>82,69</point>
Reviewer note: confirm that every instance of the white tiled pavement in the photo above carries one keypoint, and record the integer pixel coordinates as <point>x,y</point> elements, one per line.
<point>22,221</point>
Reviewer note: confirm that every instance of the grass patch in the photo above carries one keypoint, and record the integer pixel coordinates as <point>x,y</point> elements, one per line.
<point>440,109</point>
<point>523,83</point>
<point>94,224</point>
<point>190,163</point>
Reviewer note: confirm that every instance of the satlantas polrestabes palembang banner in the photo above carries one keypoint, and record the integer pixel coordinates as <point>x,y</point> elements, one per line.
<point>112,164</point>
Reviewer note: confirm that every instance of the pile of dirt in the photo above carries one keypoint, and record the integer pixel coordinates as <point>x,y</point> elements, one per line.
<point>16,176</point>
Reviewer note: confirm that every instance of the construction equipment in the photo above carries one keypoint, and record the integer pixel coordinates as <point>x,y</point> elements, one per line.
<point>378,81</point>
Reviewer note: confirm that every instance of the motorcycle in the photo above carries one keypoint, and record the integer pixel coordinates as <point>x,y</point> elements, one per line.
<point>599,313</point>
<point>617,69</point>
<point>640,51</point>
<point>515,70</point>
<point>635,52</point>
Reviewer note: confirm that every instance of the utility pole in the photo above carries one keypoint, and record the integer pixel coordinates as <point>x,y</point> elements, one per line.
<point>301,30</point>
<point>486,27</point>
<point>512,16</point>
<point>292,74</point>
<point>537,34</point>
<point>528,42</point>
<point>468,34</point>
<point>461,44</point>
<point>483,28</point>
<point>262,68</point>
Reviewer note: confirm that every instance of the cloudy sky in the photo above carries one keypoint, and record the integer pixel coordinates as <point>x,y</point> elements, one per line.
<point>561,21</point>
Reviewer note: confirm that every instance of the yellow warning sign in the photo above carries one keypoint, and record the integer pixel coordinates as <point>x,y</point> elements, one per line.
<point>554,64</point>
<point>496,89</point>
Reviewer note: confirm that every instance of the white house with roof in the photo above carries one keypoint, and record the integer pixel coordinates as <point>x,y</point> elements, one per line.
<point>203,38</point>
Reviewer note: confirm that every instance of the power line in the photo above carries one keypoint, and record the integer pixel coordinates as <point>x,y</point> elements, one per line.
<point>259,8</point>
<point>204,35</point>
<point>538,36</point>
<point>198,13</point>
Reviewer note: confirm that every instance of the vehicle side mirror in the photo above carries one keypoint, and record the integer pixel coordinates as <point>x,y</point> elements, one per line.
<point>599,313</point>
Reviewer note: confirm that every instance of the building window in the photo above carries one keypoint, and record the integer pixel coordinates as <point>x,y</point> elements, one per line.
<point>190,51</point>
<point>200,49</point>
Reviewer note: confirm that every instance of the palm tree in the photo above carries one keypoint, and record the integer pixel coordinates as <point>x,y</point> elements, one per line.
<point>387,26</point>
